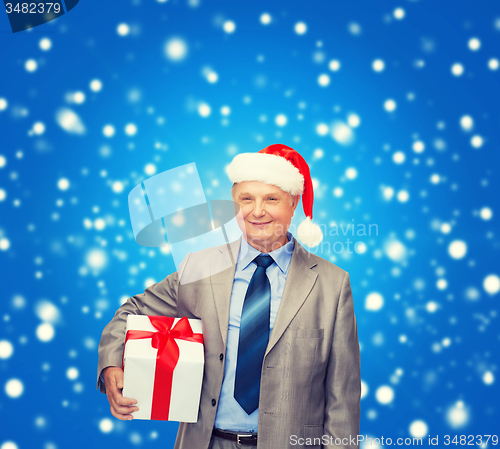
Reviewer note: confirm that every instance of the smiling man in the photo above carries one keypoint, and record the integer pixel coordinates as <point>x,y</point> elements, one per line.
<point>282,361</point>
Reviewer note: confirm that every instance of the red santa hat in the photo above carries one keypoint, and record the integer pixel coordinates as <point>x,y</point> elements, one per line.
<point>283,167</point>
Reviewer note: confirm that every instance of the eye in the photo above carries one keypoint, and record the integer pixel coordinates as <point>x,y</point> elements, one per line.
<point>273,199</point>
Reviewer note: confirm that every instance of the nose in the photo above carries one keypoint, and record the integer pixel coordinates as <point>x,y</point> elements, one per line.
<point>258,210</point>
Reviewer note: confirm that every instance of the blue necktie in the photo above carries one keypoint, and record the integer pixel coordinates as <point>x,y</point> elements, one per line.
<point>254,336</point>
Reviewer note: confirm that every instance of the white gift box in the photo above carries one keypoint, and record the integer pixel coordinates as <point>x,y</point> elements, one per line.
<point>139,360</point>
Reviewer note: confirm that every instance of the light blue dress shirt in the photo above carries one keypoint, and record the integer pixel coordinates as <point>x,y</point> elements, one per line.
<point>230,415</point>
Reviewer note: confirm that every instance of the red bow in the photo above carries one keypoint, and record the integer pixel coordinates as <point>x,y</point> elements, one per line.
<point>167,357</point>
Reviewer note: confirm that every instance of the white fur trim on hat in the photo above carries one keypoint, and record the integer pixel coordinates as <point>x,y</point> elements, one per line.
<point>268,168</point>
<point>309,233</point>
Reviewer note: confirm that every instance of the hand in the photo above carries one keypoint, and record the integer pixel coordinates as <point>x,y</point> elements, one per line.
<point>120,406</point>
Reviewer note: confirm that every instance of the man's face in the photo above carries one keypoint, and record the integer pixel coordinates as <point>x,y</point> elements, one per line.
<point>266,214</point>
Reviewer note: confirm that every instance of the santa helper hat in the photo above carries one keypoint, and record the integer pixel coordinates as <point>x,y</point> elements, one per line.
<point>283,167</point>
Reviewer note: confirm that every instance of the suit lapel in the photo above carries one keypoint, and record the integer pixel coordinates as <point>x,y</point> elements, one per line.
<point>299,282</point>
<point>222,269</point>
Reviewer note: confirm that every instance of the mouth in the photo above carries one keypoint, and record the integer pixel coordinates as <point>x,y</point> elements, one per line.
<point>259,225</point>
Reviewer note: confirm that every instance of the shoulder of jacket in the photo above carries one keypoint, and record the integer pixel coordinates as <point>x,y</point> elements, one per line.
<point>325,265</point>
<point>207,252</point>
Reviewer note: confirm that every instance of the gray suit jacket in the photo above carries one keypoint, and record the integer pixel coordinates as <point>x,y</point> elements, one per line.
<point>310,384</point>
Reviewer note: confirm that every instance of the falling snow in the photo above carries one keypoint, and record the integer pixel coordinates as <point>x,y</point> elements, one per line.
<point>398,122</point>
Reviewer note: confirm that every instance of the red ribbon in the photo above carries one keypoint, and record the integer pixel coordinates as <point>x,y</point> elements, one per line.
<point>167,357</point>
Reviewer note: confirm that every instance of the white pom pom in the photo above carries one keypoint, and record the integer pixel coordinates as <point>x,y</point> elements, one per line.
<point>309,233</point>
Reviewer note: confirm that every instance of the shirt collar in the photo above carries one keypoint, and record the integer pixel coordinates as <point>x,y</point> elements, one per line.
<point>282,256</point>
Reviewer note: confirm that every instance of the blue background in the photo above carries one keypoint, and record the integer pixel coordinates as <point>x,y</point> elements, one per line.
<point>68,257</point>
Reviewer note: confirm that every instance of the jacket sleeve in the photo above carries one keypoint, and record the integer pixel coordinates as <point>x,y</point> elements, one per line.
<point>159,299</point>
<point>343,376</point>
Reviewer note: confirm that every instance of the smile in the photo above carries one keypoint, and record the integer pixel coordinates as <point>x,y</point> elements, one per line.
<point>259,225</point>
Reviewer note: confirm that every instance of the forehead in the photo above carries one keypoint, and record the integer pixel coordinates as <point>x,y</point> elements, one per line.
<point>257,188</point>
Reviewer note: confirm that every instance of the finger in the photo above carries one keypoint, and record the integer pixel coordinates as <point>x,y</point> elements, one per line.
<point>120,416</point>
<point>120,400</point>
<point>123,409</point>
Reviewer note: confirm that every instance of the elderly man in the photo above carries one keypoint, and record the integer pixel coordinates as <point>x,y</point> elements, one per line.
<point>282,362</point>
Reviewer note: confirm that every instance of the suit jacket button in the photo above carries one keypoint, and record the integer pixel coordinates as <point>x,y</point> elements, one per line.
<point>221,357</point>
<point>214,402</point>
